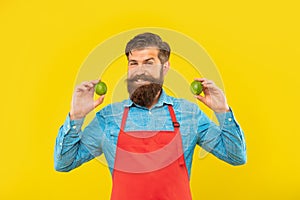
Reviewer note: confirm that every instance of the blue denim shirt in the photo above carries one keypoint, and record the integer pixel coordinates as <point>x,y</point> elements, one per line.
<point>75,146</point>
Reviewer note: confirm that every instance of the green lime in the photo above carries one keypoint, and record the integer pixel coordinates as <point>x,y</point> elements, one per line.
<point>100,88</point>
<point>196,87</point>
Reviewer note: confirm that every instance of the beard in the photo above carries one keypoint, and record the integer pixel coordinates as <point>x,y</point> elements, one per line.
<point>144,95</point>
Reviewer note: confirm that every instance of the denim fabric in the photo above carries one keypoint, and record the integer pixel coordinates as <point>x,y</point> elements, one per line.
<point>75,146</point>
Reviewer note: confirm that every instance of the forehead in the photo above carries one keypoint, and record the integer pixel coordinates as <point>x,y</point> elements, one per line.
<point>143,54</point>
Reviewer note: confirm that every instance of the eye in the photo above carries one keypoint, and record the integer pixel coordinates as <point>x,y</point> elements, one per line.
<point>132,64</point>
<point>149,63</point>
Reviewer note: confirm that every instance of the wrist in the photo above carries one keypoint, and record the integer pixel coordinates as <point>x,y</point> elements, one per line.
<point>76,116</point>
<point>223,110</point>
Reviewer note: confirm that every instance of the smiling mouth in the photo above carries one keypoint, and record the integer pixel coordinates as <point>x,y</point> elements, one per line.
<point>141,81</point>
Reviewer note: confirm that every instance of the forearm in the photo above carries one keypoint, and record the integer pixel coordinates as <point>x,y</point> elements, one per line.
<point>69,151</point>
<point>226,141</point>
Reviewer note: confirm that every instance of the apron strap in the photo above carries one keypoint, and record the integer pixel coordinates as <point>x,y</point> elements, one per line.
<point>176,125</point>
<point>173,117</point>
<point>124,118</point>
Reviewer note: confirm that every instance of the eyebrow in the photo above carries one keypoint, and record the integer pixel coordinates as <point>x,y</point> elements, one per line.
<point>143,60</point>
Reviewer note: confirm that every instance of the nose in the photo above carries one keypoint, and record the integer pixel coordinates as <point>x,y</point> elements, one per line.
<point>139,69</point>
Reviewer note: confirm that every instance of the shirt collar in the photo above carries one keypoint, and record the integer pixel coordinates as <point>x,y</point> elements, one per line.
<point>163,99</point>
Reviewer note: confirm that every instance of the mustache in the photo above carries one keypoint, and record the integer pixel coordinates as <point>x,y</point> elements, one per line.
<point>143,77</point>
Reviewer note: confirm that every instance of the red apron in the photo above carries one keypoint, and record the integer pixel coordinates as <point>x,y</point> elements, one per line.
<point>150,165</point>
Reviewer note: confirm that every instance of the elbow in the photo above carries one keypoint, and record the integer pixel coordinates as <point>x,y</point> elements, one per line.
<point>61,167</point>
<point>240,160</point>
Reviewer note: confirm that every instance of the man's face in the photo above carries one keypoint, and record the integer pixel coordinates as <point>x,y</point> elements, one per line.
<point>144,69</point>
<point>144,61</point>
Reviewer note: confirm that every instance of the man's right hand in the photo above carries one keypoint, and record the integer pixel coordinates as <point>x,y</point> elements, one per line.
<point>83,100</point>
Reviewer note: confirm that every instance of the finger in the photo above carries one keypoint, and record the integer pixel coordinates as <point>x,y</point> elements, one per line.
<point>98,101</point>
<point>88,84</point>
<point>94,82</point>
<point>85,88</point>
<point>200,79</point>
<point>84,83</point>
<point>208,84</point>
<point>200,98</point>
<point>205,82</point>
<point>81,88</point>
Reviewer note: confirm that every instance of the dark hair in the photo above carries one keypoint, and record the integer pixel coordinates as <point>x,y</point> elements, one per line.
<point>145,40</point>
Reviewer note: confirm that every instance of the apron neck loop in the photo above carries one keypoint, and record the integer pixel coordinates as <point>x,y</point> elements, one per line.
<point>173,117</point>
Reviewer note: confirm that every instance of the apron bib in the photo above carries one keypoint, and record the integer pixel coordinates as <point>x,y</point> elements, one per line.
<point>150,165</point>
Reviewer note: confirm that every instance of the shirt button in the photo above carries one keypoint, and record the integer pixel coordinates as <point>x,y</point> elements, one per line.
<point>230,119</point>
<point>74,127</point>
<point>60,144</point>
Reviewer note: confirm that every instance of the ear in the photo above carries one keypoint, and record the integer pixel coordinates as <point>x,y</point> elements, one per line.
<point>166,67</point>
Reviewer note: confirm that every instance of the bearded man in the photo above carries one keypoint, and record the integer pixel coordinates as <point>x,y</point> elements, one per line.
<point>148,139</point>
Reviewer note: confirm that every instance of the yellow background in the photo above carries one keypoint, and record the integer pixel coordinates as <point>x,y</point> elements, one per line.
<point>255,45</point>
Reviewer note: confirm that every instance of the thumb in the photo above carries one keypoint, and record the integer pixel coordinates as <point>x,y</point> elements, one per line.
<point>200,98</point>
<point>98,101</point>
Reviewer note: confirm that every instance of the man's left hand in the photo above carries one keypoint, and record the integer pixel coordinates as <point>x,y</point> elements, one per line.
<point>213,97</point>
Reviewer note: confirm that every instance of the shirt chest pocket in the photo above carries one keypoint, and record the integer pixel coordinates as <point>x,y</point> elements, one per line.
<point>112,132</point>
